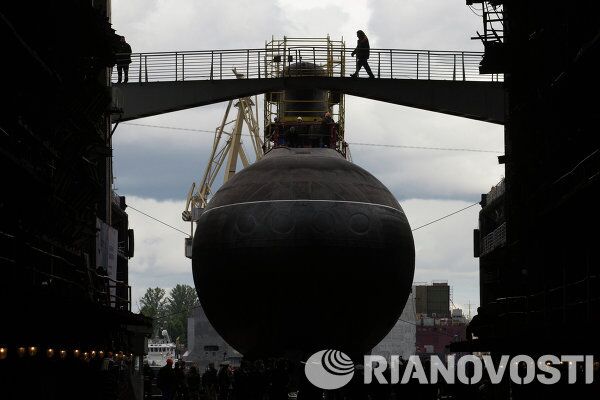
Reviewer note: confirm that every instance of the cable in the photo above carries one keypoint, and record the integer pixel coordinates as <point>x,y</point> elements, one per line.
<point>473,10</point>
<point>445,216</point>
<point>352,143</point>
<point>157,220</point>
<point>422,147</point>
<point>417,228</point>
<point>175,128</point>
<point>176,313</point>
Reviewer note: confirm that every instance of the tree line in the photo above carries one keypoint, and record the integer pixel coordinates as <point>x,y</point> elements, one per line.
<point>170,311</point>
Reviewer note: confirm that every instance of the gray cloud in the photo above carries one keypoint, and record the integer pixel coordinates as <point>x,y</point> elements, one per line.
<point>156,164</point>
<point>424,24</point>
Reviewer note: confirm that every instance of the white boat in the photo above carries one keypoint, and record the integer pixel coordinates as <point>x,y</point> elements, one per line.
<point>159,350</point>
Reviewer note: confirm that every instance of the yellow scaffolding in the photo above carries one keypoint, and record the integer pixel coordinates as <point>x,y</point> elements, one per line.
<point>309,57</point>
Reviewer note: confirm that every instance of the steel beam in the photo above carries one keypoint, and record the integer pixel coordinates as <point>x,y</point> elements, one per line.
<point>483,101</point>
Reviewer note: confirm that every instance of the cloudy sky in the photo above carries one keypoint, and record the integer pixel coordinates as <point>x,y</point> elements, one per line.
<point>154,167</point>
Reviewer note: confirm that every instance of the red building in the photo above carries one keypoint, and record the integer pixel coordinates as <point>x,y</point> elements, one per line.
<point>433,335</point>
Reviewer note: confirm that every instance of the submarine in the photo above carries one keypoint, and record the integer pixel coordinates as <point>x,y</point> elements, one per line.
<point>303,250</point>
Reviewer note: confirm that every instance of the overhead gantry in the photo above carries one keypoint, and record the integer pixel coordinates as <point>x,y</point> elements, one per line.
<point>440,81</point>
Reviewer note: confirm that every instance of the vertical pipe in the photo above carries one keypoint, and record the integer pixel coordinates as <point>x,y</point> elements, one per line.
<point>258,65</point>
<point>378,65</point>
<point>462,53</point>
<point>183,67</point>
<point>140,78</point>
<point>175,66</point>
<point>146,67</point>
<point>212,54</point>
<point>220,65</point>
<point>314,59</point>
<point>484,27</point>
<point>391,65</point>
<point>247,63</point>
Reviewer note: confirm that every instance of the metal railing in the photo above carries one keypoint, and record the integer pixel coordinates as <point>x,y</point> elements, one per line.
<point>274,63</point>
<point>494,239</point>
<point>495,192</point>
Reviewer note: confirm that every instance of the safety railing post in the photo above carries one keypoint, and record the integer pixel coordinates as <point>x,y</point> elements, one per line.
<point>314,59</point>
<point>462,53</point>
<point>212,54</point>
<point>258,63</point>
<point>391,65</point>
<point>428,65</point>
<point>146,67</point>
<point>220,65</point>
<point>417,65</point>
<point>183,67</point>
<point>247,63</point>
<point>175,66</point>
<point>378,65</point>
<point>140,69</point>
<point>454,68</point>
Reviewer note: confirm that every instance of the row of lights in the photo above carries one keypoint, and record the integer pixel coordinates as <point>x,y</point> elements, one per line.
<point>32,351</point>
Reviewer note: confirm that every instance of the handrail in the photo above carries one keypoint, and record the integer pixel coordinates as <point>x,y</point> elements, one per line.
<point>260,63</point>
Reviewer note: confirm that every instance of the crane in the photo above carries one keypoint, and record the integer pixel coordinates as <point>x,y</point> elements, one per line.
<point>226,150</point>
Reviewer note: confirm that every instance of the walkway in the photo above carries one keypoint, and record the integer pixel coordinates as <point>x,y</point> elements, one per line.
<point>441,81</point>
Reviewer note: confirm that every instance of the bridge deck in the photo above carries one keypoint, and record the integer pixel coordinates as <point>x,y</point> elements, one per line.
<point>446,82</point>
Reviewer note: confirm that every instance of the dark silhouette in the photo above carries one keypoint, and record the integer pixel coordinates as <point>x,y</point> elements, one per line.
<point>362,51</point>
<point>279,380</point>
<point>478,324</point>
<point>193,383</point>
<point>209,381</point>
<point>148,377</point>
<point>180,381</point>
<point>123,59</point>
<point>241,382</point>
<point>167,380</point>
<point>326,130</point>
<point>224,380</point>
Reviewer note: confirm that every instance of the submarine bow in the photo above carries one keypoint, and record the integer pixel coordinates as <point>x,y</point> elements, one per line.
<point>300,252</point>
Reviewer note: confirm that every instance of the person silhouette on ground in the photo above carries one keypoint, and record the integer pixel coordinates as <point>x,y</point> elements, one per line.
<point>167,380</point>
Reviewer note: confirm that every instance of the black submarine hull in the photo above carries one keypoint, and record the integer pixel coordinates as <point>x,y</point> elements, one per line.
<point>303,251</point>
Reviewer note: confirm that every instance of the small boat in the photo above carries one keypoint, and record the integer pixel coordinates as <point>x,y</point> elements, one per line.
<point>160,350</point>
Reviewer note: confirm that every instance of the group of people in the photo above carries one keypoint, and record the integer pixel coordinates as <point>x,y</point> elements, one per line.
<point>259,380</point>
<point>300,134</point>
<point>174,382</point>
<point>277,379</point>
<point>122,51</point>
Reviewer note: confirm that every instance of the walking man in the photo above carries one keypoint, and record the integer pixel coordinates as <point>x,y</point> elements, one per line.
<point>362,54</point>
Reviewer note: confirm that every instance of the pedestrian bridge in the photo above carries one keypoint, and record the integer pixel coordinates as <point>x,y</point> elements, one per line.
<point>442,81</point>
